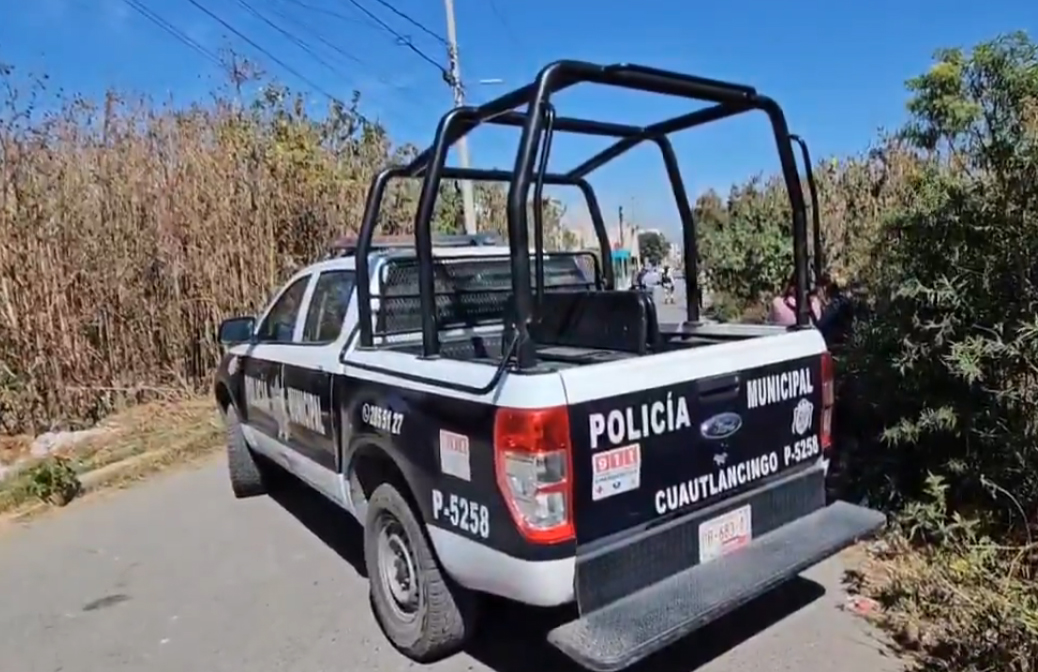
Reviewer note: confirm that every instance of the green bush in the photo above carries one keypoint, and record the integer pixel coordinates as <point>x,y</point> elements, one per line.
<point>748,252</point>
<point>946,369</point>
<point>937,417</point>
<point>53,480</point>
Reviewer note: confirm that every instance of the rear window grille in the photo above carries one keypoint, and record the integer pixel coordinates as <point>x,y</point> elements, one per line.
<point>470,291</point>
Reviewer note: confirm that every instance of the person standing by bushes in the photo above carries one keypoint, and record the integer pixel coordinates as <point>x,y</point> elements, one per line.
<point>783,308</point>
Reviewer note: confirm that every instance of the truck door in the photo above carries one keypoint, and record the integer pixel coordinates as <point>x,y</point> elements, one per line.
<point>310,366</point>
<point>261,365</point>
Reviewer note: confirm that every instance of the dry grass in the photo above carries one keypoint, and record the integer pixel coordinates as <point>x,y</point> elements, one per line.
<point>14,448</point>
<point>138,442</point>
<point>956,607</point>
<point>128,231</point>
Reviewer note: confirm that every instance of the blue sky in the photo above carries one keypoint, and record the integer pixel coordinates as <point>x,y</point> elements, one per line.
<point>837,68</point>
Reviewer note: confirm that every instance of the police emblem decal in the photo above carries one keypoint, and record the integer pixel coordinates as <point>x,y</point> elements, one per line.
<point>803,415</point>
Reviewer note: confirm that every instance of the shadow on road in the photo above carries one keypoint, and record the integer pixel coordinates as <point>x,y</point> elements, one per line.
<point>512,637</point>
<point>326,521</point>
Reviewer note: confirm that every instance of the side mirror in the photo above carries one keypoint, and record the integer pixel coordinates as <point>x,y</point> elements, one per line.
<point>236,330</point>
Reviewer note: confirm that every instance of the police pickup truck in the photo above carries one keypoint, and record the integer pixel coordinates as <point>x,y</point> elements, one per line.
<point>505,421</point>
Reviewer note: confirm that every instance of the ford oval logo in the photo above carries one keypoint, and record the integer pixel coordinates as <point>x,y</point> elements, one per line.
<point>721,426</point>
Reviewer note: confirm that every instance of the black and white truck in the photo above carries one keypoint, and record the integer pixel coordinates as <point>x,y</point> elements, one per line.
<point>504,420</point>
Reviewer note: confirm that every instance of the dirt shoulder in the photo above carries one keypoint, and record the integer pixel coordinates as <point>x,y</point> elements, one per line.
<point>124,448</point>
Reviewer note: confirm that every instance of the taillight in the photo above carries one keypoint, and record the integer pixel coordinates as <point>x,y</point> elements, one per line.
<point>828,400</point>
<point>534,471</point>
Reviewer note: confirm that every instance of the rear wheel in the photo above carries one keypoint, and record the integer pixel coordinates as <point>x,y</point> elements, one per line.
<point>250,476</point>
<point>422,611</point>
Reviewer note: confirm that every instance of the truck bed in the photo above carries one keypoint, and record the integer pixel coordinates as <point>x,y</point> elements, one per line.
<point>581,328</point>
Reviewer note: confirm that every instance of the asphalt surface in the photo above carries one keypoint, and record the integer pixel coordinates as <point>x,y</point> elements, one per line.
<point>175,575</point>
<point>669,313</point>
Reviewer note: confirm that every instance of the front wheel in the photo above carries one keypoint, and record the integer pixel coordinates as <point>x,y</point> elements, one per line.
<point>421,610</point>
<point>250,476</point>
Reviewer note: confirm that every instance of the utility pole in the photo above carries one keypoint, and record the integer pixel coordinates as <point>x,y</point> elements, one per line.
<point>620,217</point>
<point>467,199</point>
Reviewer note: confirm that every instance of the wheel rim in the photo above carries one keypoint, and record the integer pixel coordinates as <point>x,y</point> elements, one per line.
<point>396,569</point>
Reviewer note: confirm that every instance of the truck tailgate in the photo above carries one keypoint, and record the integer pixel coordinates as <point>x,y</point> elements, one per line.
<point>681,430</point>
<point>658,438</point>
<point>684,457</point>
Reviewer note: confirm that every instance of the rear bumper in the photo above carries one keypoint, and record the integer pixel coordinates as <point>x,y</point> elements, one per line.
<point>624,631</point>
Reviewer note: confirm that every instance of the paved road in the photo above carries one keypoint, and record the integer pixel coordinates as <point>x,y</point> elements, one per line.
<point>176,576</point>
<point>669,313</point>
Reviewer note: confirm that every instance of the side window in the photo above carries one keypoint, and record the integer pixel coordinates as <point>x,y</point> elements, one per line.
<point>328,306</point>
<point>280,322</point>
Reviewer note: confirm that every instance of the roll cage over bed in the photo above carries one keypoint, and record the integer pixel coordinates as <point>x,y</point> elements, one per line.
<point>538,123</point>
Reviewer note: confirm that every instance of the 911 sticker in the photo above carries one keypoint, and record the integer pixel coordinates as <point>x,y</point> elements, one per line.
<point>461,513</point>
<point>616,471</point>
<point>454,455</point>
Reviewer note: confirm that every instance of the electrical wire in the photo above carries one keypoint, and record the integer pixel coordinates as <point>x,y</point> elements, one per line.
<point>353,58</point>
<point>288,36</point>
<point>417,24</point>
<point>405,108</point>
<point>512,36</point>
<point>286,67</point>
<point>329,12</point>
<point>402,40</point>
<point>172,30</point>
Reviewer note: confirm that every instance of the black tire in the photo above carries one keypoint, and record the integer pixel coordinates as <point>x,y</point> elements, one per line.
<point>443,615</point>
<point>250,477</point>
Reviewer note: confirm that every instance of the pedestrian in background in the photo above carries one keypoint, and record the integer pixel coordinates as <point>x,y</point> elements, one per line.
<point>783,308</point>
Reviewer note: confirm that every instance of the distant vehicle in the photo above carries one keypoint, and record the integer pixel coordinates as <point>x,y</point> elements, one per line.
<point>514,423</point>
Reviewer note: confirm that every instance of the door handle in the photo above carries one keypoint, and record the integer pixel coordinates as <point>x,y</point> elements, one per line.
<point>719,388</point>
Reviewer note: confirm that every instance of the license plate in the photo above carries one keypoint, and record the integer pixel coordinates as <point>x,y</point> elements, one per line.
<point>725,533</point>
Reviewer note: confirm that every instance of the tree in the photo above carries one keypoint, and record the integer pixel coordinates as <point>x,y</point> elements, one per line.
<point>653,246</point>
<point>947,362</point>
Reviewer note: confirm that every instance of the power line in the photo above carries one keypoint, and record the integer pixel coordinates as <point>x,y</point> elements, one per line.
<point>506,25</point>
<point>402,40</point>
<point>413,22</point>
<point>289,36</point>
<point>172,30</point>
<point>263,51</point>
<point>336,48</point>
<point>329,12</point>
<point>405,110</point>
<point>353,58</point>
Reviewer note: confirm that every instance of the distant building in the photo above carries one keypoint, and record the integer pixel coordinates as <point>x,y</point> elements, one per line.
<point>626,254</point>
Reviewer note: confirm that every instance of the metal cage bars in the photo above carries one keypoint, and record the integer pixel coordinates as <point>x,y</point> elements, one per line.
<point>729,99</point>
<point>816,216</point>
